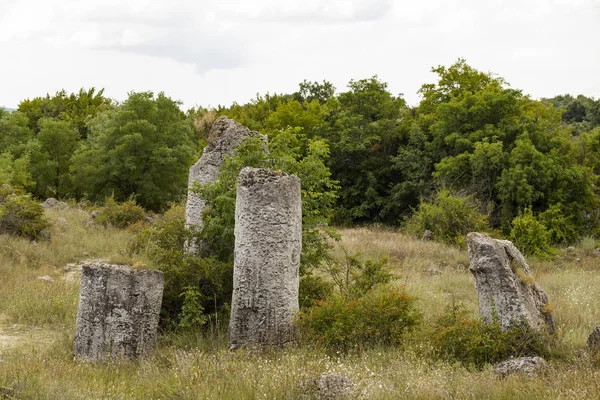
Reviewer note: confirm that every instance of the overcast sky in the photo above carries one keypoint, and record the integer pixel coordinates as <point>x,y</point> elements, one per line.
<point>210,52</point>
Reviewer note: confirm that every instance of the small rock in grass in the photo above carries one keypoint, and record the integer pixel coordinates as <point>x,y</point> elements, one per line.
<point>45,278</point>
<point>529,366</point>
<point>593,341</point>
<point>426,236</point>
<point>433,271</point>
<point>53,204</point>
<point>328,387</point>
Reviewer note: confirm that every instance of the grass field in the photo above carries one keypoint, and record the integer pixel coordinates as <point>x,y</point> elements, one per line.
<point>37,323</point>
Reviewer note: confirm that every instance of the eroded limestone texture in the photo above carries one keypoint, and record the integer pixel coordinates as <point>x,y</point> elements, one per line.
<point>268,242</point>
<point>505,285</point>
<point>118,311</point>
<point>529,366</point>
<point>225,135</point>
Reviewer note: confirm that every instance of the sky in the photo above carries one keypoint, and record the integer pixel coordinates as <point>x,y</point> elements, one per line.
<point>216,52</point>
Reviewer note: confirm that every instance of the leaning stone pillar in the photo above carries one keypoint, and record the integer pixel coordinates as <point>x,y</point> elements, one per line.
<point>224,137</point>
<point>505,287</point>
<point>268,242</point>
<point>118,311</point>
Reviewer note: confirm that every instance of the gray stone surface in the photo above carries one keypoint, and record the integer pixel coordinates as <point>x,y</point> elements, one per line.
<point>225,135</point>
<point>426,236</point>
<point>53,204</point>
<point>529,366</point>
<point>496,265</point>
<point>268,242</point>
<point>328,387</point>
<point>118,311</point>
<point>593,341</point>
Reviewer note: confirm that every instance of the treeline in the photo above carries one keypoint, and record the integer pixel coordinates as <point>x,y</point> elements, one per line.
<point>85,146</point>
<point>472,139</point>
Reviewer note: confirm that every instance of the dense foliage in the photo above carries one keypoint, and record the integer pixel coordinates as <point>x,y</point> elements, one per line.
<point>20,215</point>
<point>457,337</point>
<point>380,317</point>
<point>471,136</point>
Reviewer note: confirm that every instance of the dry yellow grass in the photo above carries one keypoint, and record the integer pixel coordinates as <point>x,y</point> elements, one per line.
<point>196,367</point>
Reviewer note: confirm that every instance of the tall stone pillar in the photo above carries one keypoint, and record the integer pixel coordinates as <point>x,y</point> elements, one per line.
<point>224,137</point>
<point>118,311</point>
<point>268,242</point>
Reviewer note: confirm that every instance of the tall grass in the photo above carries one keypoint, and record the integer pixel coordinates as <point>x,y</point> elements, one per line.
<point>193,365</point>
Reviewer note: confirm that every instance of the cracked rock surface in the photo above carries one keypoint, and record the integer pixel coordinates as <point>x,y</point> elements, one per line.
<point>224,137</point>
<point>118,311</point>
<point>268,242</point>
<point>505,286</point>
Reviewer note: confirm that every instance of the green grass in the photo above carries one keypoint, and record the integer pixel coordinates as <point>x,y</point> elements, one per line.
<point>190,365</point>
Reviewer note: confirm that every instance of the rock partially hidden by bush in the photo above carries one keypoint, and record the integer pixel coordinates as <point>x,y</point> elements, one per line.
<point>474,342</point>
<point>529,366</point>
<point>328,387</point>
<point>53,204</point>
<point>593,341</point>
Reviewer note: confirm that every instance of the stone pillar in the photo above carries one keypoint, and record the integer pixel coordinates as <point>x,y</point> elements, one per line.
<point>224,137</point>
<point>118,311</point>
<point>268,242</point>
<point>504,284</point>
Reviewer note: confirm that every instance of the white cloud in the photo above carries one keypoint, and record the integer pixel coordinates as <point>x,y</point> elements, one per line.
<point>219,51</point>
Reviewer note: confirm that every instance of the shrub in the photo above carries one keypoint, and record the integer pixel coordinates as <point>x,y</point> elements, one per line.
<point>120,215</point>
<point>381,317</point>
<point>353,278</point>
<point>562,229</point>
<point>530,235</point>
<point>194,287</point>
<point>313,288</point>
<point>456,337</point>
<point>20,215</point>
<point>448,217</point>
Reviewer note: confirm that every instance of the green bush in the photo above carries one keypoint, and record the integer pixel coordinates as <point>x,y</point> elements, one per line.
<point>313,288</point>
<point>562,229</point>
<point>120,215</point>
<point>448,217</point>
<point>456,337</point>
<point>530,235</point>
<point>381,317</point>
<point>21,215</point>
<point>352,278</point>
<point>195,288</point>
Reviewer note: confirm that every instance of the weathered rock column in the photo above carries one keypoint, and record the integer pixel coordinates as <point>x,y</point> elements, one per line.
<point>118,311</point>
<point>505,285</point>
<point>268,242</point>
<point>224,137</point>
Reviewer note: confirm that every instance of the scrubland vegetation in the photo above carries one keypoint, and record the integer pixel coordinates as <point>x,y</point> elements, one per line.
<point>195,363</point>
<point>396,314</point>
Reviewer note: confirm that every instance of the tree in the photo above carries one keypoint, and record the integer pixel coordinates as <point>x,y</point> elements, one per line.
<point>76,108</point>
<point>57,141</point>
<point>142,149</point>
<point>364,136</point>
